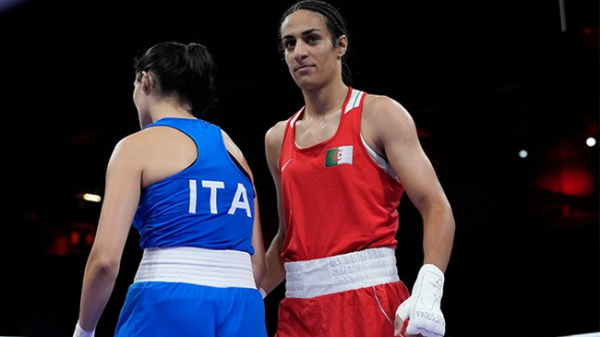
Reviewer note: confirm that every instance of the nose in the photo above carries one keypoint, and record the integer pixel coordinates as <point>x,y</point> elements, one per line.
<point>300,50</point>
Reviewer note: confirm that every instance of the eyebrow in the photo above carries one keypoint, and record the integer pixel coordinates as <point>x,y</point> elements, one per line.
<point>304,33</point>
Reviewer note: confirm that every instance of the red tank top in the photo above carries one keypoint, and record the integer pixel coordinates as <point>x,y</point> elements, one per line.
<point>336,198</point>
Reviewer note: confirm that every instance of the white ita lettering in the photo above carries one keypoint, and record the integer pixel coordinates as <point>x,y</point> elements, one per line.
<point>240,200</point>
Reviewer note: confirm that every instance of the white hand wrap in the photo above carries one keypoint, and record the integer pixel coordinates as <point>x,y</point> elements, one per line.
<point>262,292</point>
<point>79,332</point>
<point>422,308</point>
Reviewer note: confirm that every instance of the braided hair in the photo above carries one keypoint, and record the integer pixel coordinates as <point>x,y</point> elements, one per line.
<point>336,24</point>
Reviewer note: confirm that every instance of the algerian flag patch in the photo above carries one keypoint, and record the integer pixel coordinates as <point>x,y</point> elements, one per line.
<point>339,155</point>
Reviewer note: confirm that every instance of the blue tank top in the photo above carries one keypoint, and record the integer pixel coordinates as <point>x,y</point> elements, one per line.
<point>210,204</point>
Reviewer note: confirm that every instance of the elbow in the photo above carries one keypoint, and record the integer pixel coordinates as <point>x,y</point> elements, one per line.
<point>104,266</point>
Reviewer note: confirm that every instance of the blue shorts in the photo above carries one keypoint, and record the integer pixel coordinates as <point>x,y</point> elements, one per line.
<point>165,309</point>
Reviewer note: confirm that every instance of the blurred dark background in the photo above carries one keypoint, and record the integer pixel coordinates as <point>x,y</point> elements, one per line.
<point>505,95</point>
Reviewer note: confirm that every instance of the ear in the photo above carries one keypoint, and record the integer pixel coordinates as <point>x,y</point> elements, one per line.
<point>342,46</point>
<point>147,82</point>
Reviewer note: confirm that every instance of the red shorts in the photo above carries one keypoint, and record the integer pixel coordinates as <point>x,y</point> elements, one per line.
<point>362,312</point>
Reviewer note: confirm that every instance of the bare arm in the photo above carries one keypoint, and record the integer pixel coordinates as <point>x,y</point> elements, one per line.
<point>276,272</point>
<point>259,262</point>
<point>391,130</point>
<point>121,198</point>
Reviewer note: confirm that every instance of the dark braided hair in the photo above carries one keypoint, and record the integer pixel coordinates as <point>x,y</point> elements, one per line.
<point>334,21</point>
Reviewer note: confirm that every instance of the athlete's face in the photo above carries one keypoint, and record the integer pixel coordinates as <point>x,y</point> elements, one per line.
<point>311,57</point>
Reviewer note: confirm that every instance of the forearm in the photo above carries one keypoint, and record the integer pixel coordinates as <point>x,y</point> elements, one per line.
<point>259,260</point>
<point>423,307</point>
<point>259,267</point>
<point>98,285</point>
<point>275,270</point>
<point>438,237</point>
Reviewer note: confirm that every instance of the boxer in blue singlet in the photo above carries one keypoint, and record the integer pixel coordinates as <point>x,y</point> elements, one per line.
<point>188,190</point>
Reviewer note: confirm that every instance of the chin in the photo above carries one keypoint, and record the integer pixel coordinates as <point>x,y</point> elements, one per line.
<point>307,85</point>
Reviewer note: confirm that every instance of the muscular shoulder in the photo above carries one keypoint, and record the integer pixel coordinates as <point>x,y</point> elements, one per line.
<point>384,117</point>
<point>134,143</point>
<point>381,110</point>
<point>382,106</point>
<point>275,133</point>
<point>273,141</point>
<point>157,152</point>
<point>128,154</point>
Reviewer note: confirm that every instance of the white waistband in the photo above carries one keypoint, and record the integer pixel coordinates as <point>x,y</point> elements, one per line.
<point>214,268</point>
<point>312,278</point>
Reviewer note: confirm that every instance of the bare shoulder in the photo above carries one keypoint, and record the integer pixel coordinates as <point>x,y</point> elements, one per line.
<point>274,135</point>
<point>155,144</point>
<point>382,104</point>
<point>129,153</point>
<point>230,144</point>
<point>276,131</point>
<point>148,139</point>
<point>232,147</point>
<point>134,143</point>
<point>382,111</point>
<point>274,141</point>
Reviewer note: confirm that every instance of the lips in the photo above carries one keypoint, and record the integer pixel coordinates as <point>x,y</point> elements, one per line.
<point>302,68</point>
